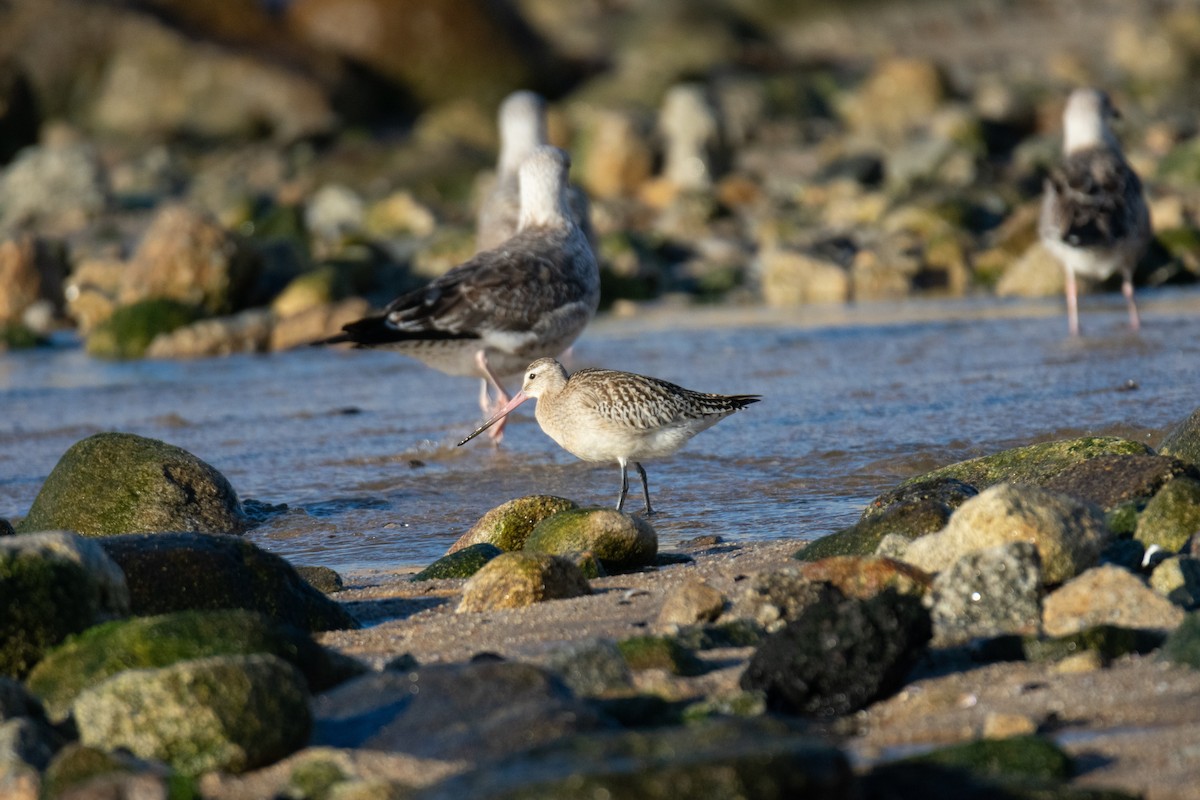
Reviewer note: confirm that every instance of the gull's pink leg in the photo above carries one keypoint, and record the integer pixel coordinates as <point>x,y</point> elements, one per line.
<point>1072,304</point>
<point>1135,322</point>
<point>496,433</point>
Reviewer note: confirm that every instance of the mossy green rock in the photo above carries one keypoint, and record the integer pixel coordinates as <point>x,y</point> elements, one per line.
<point>130,330</point>
<point>229,713</point>
<point>80,769</point>
<point>1033,464</point>
<point>52,584</point>
<point>1026,756</point>
<point>147,642</point>
<point>15,336</point>
<point>507,526</point>
<point>659,652</point>
<point>114,483</point>
<point>910,521</point>
<point>515,580</point>
<point>1109,641</point>
<point>323,579</point>
<point>621,541</point>
<point>1183,441</point>
<point>459,564</point>
<point>1183,644</point>
<point>169,572</point>
<point>1172,516</point>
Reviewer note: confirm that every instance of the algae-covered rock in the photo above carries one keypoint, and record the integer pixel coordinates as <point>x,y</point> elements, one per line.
<point>1028,756</point>
<point>1183,441</point>
<point>911,520</point>
<point>1108,641</point>
<point>81,771</point>
<point>1178,579</point>
<point>1112,481</point>
<point>948,493</point>
<point>461,563</point>
<point>229,713</point>
<point>169,572</point>
<point>621,541</point>
<point>323,579</point>
<point>130,330</point>
<point>591,668</point>
<point>1068,534</point>
<point>692,602</point>
<point>507,526</point>
<point>1172,516</point>
<point>514,580</point>
<point>659,652</point>
<point>113,483</point>
<point>52,584</point>
<point>146,642</point>
<point>1182,645</point>
<point>1033,464</point>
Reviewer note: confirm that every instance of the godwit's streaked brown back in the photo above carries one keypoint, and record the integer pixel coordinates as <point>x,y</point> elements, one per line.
<point>607,415</point>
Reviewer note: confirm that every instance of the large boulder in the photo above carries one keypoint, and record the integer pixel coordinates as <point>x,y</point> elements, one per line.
<point>169,572</point>
<point>620,541</point>
<point>229,713</point>
<point>115,483</point>
<point>52,585</point>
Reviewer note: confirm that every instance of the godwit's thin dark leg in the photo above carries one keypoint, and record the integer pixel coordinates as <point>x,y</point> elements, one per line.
<point>624,484</point>
<point>645,487</point>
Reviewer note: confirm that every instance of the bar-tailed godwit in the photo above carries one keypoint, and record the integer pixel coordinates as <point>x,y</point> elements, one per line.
<point>606,415</point>
<point>1094,217</point>
<point>530,297</point>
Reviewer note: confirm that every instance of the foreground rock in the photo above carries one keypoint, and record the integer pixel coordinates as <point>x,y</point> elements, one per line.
<point>507,526</point>
<point>169,572</point>
<point>230,713</point>
<point>620,541</point>
<point>114,483</point>
<point>52,585</point>
<point>515,580</point>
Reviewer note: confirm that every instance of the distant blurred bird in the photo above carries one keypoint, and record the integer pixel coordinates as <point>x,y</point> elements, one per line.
<point>1094,217</point>
<point>522,121</point>
<point>529,297</point>
<point>606,415</point>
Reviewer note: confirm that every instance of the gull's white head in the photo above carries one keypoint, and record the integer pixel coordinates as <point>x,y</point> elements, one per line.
<point>1085,121</point>
<point>543,181</point>
<point>522,128</point>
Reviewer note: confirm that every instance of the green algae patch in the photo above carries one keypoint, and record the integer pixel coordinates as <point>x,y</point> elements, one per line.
<point>508,525</point>
<point>1024,756</point>
<point>515,580</point>
<point>621,542</point>
<point>659,652</point>
<point>460,564</point>
<point>114,483</point>
<point>42,601</point>
<point>130,330</point>
<point>862,539</point>
<point>1171,516</point>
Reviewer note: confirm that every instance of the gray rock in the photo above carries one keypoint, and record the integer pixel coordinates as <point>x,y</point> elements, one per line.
<point>772,599</point>
<point>591,668</point>
<point>1183,441</point>
<point>229,713</point>
<point>691,602</point>
<point>57,187</point>
<point>1107,595</point>
<point>988,593</point>
<point>1108,481</point>
<point>1069,535</point>
<point>1178,579</point>
<point>196,571</point>
<point>511,708</point>
<point>689,125</point>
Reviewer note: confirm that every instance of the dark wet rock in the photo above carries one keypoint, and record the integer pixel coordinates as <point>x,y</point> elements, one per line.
<point>659,652</point>
<point>52,585</point>
<point>185,255</point>
<point>1109,642</point>
<point>114,483</point>
<point>867,576</point>
<point>736,704</point>
<point>910,520</point>
<point>988,593</point>
<point>1111,480</point>
<point>232,713</point>
<point>772,599</point>
<point>591,668</point>
<point>621,541</point>
<point>32,270</point>
<point>732,632</point>
<point>1172,516</point>
<point>1069,534</point>
<point>1125,553</point>
<point>512,707</point>
<point>6,528</point>
<point>514,580</point>
<point>1034,464</point>
<point>130,330</point>
<point>840,655</point>
<point>507,526</point>
<point>57,188</point>
<point>950,493</point>
<point>1183,441</point>
<point>170,572</point>
<point>589,565</point>
<point>28,741</point>
<point>1107,595</point>
<point>1178,579</point>
<point>19,115</point>
<point>148,642</point>
<point>17,701</point>
<point>691,602</point>
<point>763,759</point>
<point>323,579</point>
<point>460,563</point>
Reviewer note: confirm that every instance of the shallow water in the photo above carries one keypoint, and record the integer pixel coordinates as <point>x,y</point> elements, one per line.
<point>360,444</point>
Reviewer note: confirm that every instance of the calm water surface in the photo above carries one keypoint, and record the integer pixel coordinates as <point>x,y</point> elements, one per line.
<point>360,445</point>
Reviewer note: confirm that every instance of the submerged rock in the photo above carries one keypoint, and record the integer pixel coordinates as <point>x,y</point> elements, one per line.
<point>115,483</point>
<point>1069,535</point>
<point>148,642</point>
<point>170,572</point>
<point>461,563</point>
<point>52,585</point>
<point>620,541</point>
<point>838,656</point>
<point>507,526</point>
<point>514,580</point>
<point>229,713</point>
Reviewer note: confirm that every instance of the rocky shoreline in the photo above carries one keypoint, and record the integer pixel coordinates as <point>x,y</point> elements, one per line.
<point>1017,625</point>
